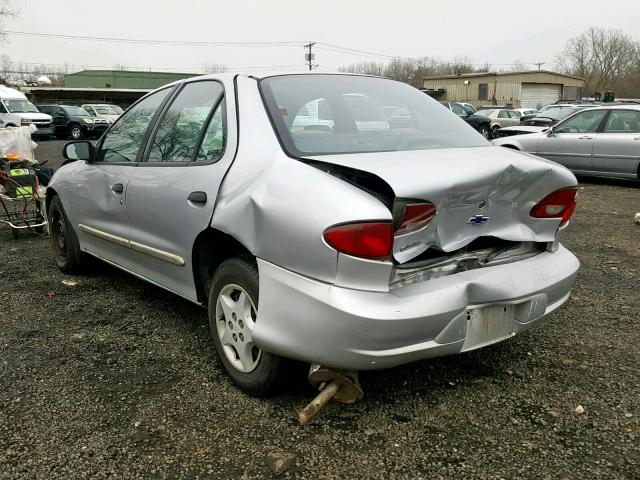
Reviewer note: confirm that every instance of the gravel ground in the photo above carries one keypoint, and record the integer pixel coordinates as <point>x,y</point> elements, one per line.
<point>114,378</point>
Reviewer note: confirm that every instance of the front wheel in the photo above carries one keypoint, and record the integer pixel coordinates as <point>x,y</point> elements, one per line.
<point>485,132</point>
<point>66,248</point>
<point>76,132</point>
<point>233,310</point>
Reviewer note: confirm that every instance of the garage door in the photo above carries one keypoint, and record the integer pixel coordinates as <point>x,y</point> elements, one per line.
<point>537,95</point>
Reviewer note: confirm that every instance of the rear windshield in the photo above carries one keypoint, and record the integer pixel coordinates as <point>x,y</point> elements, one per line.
<point>332,114</point>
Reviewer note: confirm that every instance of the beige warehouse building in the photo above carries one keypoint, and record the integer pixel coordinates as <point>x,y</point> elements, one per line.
<point>531,89</point>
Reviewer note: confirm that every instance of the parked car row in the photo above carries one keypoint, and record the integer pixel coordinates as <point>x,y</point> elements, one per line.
<point>65,121</point>
<point>601,140</point>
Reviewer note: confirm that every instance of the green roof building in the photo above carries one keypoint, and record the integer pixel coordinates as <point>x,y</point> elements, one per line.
<point>123,79</point>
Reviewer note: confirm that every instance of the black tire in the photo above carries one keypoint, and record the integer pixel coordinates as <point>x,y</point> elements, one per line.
<point>242,271</point>
<point>66,248</point>
<point>494,131</point>
<point>485,132</point>
<point>75,132</point>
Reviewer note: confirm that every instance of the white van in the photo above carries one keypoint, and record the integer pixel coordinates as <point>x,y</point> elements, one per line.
<point>16,111</point>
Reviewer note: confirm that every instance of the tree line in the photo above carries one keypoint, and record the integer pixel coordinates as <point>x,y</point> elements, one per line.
<point>608,60</point>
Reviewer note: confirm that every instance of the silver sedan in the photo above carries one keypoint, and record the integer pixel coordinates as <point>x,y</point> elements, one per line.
<point>315,224</point>
<point>595,141</point>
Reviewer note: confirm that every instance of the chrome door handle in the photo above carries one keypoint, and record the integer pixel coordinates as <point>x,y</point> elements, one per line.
<point>117,188</point>
<point>636,138</point>
<point>585,138</point>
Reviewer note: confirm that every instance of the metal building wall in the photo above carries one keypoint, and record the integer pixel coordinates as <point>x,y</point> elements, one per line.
<point>121,79</point>
<point>505,87</point>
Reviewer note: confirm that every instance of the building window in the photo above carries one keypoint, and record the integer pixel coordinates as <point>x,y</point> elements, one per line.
<point>483,91</point>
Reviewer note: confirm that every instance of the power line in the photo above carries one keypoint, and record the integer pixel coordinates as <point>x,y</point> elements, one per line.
<point>292,43</point>
<point>68,68</point>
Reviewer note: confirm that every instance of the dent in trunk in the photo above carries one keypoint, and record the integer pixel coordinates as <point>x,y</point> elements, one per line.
<point>478,192</point>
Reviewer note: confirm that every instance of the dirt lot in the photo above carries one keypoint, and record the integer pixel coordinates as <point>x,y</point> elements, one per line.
<point>114,378</point>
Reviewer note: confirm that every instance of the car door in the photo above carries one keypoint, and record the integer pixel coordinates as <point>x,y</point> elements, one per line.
<point>60,119</point>
<point>171,196</point>
<point>100,195</point>
<point>617,149</point>
<point>570,143</point>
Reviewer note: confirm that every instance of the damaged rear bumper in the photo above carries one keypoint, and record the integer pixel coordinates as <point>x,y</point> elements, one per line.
<point>317,322</point>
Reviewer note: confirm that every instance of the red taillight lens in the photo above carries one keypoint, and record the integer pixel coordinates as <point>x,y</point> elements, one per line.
<point>559,204</point>
<point>416,216</point>
<point>366,240</point>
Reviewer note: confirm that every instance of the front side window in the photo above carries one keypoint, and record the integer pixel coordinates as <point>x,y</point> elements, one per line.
<point>123,141</point>
<point>503,114</point>
<point>331,114</point>
<point>623,121</point>
<point>178,133</point>
<point>583,122</point>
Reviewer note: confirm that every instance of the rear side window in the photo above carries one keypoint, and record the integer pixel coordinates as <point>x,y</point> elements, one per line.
<point>331,114</point>
<point>179,130</point>
<point>623,121</point>
<point>123,141</point>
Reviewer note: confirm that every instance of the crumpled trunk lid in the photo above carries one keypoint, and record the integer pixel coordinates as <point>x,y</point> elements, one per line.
<point>480,191</point>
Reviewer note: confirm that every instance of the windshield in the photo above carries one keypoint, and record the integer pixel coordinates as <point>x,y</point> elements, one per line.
<point>116,109</point>
<point>102,110</point>
<point>106,109</point>
<point>19,106</point>
<point>486,113</point>
<point>332,114</point>
<point>76,111</point>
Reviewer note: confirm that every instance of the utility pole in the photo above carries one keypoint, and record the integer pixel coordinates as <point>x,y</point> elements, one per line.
<point>309,56</point>
<point>539,64</point>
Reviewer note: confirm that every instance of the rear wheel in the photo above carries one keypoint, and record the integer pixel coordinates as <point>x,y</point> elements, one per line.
<point>66,248</point>
<point>233,310</point>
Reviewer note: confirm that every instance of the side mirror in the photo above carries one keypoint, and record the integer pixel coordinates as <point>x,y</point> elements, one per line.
<point>81,150</point>
<point>550,132</point>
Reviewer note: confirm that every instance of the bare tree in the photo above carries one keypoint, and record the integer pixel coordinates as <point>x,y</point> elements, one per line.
<point>214,67</point>
<point>517,66</point>
<point>603,57</point>
<point>365,68</point>
<point>6,11</point>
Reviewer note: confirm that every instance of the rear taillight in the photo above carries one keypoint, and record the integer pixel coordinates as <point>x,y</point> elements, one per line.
<point>559,204</point>
<point>415,216</point>
<point>365,240</point>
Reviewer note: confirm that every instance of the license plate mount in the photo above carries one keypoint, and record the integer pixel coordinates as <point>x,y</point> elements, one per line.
<point>488,324</point>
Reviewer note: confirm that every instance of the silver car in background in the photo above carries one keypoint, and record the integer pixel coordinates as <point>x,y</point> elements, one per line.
<point>594,141</point>
<point>314,229</point>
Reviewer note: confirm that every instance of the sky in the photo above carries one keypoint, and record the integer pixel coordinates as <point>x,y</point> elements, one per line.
<point>493,31</point>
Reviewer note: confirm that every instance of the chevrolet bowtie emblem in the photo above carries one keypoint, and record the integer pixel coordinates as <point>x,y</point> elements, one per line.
<point>478,219</point>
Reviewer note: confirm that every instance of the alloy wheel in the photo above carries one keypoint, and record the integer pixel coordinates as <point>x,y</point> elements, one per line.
<point>235,318</point>
<point>76,133</point>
